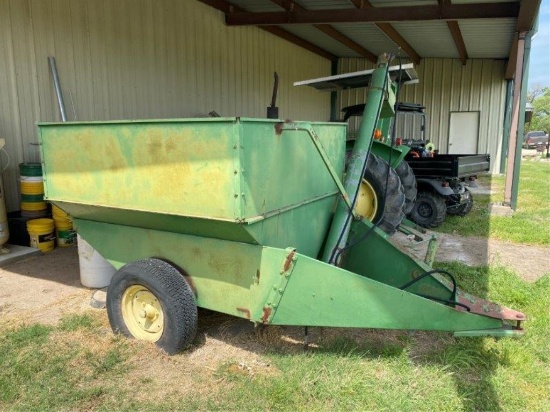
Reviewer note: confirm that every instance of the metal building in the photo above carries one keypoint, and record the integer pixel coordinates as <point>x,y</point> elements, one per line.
<point>130,59</point>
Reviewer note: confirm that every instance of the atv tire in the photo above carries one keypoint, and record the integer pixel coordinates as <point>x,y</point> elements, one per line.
<point>429,210</point>
<point>463,209</point>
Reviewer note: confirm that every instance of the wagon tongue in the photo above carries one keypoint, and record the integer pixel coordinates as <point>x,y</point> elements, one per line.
<point>479,306</point>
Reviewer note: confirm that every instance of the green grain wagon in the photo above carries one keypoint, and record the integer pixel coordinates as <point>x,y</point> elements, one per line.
<point>247,217</point>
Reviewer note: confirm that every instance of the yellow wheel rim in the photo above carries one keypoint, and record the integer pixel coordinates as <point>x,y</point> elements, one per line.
<point>142,313</point>
<point>367,202</point>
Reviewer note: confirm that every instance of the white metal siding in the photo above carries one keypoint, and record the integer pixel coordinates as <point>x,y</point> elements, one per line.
<point>445,86</point>
<point>128,59</point>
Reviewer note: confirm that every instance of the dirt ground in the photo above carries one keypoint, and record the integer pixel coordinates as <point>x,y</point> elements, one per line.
<point>529,262</point>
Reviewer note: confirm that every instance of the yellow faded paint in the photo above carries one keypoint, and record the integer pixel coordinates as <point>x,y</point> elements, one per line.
<point>160,167</point>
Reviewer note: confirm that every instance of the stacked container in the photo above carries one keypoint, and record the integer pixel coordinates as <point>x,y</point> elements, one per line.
<point>65,234</point>
<point>41,233</point>
<point>32,191</point>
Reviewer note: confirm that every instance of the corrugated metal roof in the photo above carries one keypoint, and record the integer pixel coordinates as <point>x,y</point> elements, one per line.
<point>317,37</point>
<point>369,36</point>
<point>484,38</point>
<point>428,38</point>
<point>488,38</point>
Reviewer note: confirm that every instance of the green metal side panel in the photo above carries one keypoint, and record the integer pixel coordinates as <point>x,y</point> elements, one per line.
<point>277,286</point>
<point>170,223</point>
<point>183,167</point>
<point>387,264</point>
<point>224,275</point>
<point>260,184</point>
<point>384,150</point>
<point>318,294</point>
<point>290,192</point>
<point>293,171</point>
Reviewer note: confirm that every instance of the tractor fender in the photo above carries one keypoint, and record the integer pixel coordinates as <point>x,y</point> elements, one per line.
<point>434,185</point>
<point>387,152</point>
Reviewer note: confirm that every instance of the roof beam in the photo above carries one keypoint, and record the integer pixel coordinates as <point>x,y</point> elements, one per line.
<point>528,12</point>
<point>229,8</point>
<point>454,28</point>
<point>459,40</point>
<point>331,31</point>
<point>376,14</point>
<point>390,31</point>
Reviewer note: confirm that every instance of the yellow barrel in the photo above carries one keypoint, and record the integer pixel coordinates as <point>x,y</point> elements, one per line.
<point>32,188</point>
<point>41,232</point>
<point>65,234</point>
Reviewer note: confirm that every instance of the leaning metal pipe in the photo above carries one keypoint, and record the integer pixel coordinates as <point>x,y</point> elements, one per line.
<point>57,85</point>
<point>339,230</point>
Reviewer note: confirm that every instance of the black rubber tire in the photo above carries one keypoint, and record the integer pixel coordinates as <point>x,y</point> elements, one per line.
<point>173,292</point>
<point>463,209</point>
<point>429,210</point>
<point>392,204</point>
<point>408,180</point>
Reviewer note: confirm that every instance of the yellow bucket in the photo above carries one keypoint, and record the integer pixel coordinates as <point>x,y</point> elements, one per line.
<point>60,214</point>
<point>33,206</point>
<point>32,188</point>
<point>41,232</point>
<point>65,234</point>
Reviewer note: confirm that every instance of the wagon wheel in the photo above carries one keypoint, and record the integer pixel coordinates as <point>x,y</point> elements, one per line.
<point>373,201</point>
<point>429,210</point>
<point>408,180</point>
<point>150,300</point>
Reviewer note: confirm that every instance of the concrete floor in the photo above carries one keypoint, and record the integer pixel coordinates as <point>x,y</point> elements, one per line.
<point>14,253</point>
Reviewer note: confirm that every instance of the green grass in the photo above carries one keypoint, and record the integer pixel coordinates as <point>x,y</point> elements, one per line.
<point>42,368</point>
<point>78,367</point>
<point>529,224</point>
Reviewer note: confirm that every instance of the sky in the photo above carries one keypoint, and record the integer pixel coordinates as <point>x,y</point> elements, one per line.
<point>539,65</point>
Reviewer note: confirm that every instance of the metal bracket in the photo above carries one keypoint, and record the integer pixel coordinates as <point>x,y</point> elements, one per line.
<point>277,291</point>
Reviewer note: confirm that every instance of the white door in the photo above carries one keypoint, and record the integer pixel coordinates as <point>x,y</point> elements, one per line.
<point>463,132</point>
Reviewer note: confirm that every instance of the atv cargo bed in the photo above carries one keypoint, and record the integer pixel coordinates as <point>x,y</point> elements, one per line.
<point>449,166</point>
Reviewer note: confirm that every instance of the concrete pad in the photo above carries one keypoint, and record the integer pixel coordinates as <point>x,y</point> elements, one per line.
<point>15,253</point>
<point>500,210</point>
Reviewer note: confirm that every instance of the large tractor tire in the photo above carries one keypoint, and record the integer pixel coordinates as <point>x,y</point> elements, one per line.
<point>375,202</point>
<point>463,209</point>
<point>150,300</point>
<point>408,180</point>
<point>429,210</point>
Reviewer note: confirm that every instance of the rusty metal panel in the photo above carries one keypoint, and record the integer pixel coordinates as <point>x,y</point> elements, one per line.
<point>448,86</point>
<point>140,60</point>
